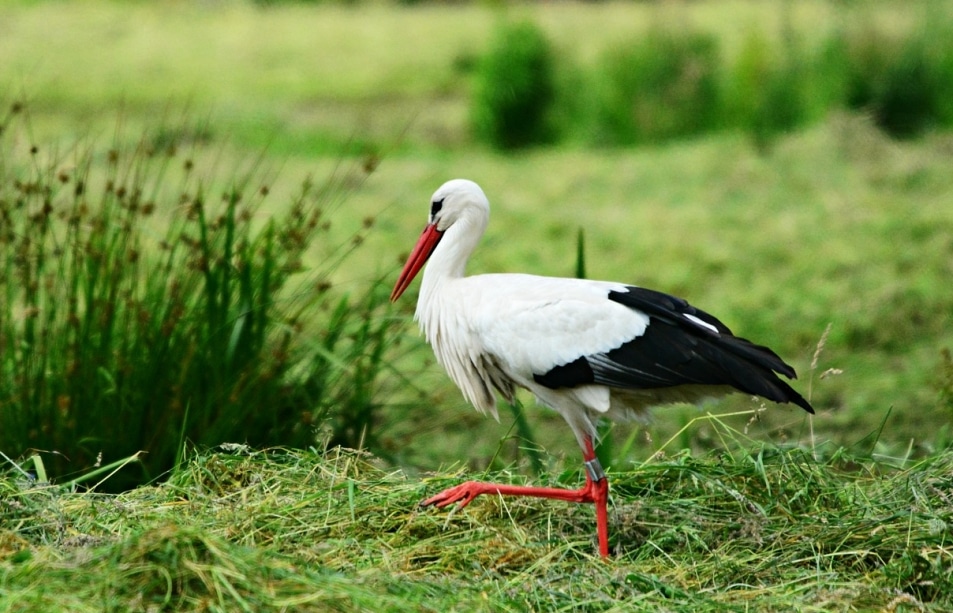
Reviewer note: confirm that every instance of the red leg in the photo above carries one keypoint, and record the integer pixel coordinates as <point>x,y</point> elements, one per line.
<point>596,491</point>
<point>600,498</point>
<point>600,486</point>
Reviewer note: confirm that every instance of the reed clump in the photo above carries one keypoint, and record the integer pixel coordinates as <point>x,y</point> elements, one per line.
<point>148,299</point>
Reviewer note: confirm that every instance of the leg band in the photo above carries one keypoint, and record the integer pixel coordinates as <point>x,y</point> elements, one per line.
<point>594,469</point>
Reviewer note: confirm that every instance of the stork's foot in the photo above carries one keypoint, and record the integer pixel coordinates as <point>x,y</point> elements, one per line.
<point>595,491</point>
<point>462,494</point>
<point>466,492</point>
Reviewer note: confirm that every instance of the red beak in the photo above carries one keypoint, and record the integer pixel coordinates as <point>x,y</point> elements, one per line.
<point>418,257</point>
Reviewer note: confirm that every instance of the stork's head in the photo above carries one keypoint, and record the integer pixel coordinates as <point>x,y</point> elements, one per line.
<point>454,201</point>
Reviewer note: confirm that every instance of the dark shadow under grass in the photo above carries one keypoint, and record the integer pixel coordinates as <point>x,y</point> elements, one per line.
<point>766,528</point>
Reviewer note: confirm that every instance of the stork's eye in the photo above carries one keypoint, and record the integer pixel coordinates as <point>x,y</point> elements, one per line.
<point>435,207</point>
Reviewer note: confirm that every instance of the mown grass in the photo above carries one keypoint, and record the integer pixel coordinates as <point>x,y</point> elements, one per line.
<point>750,527</point>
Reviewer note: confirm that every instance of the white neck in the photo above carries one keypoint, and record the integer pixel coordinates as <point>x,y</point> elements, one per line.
<point>449,259</point>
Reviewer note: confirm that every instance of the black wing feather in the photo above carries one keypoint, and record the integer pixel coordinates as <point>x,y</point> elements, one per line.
<point>677,350</point>
<point>673,310</point>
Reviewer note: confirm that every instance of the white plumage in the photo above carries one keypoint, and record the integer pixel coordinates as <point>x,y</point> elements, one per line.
<point>518,325</point>
<point>587,349</point>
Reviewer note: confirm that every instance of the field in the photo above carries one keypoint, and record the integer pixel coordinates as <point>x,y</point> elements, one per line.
<point>833,245</point>
<point>289,531</point>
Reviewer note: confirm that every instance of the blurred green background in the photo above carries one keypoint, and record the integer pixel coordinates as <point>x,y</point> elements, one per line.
<point>783,165</point>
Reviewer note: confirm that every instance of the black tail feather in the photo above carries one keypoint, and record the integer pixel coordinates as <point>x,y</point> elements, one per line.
<point>676,350</point>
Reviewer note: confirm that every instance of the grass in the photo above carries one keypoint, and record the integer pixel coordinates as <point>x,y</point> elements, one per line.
<point>147,303</point>
<point>748,527</point>
<point>306,78</point>
<point>835,224</point>
<point>833,232</point>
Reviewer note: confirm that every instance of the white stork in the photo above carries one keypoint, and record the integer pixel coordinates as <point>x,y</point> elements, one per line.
<point>586,349</point>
